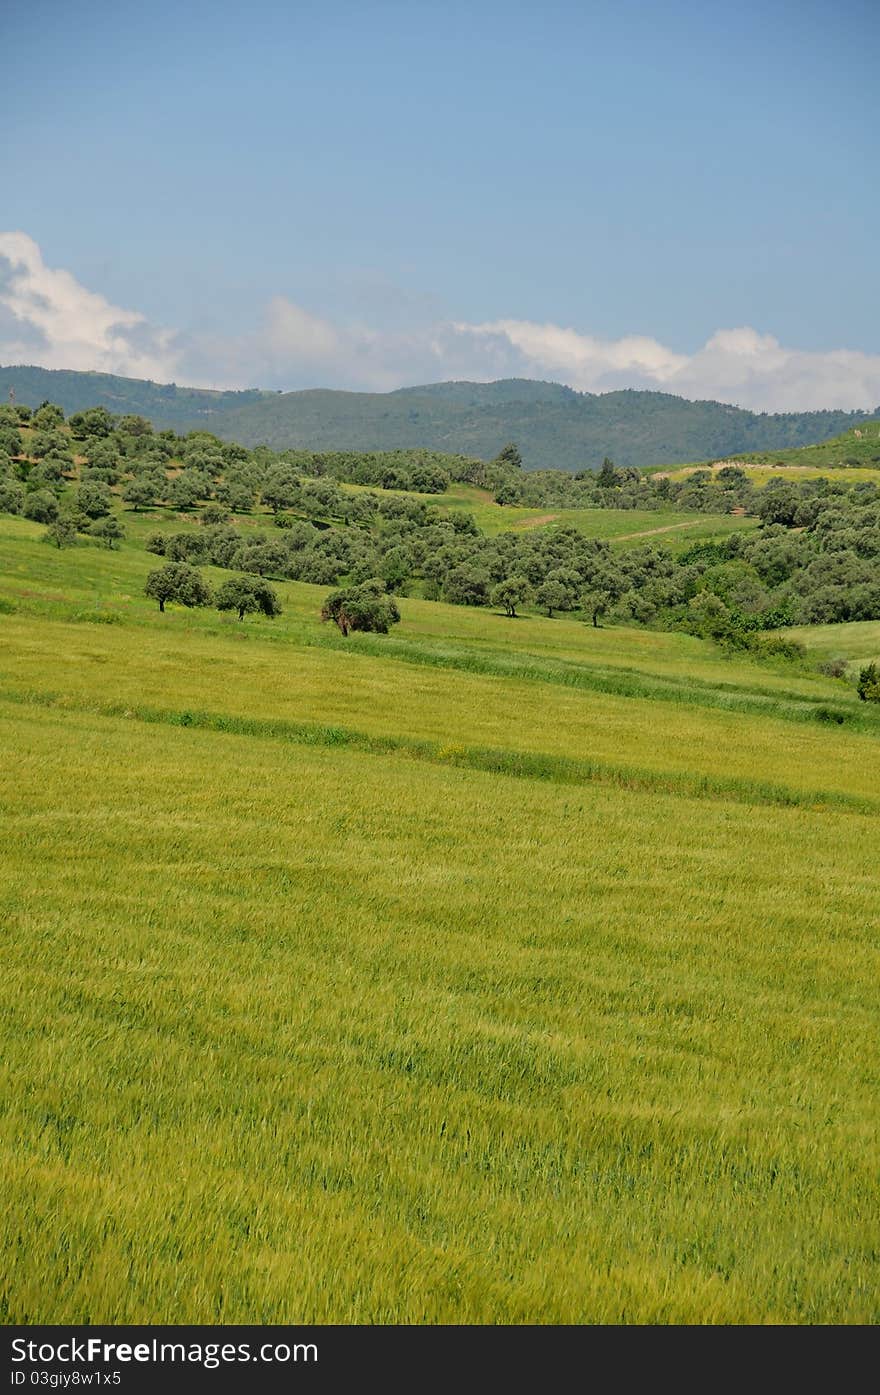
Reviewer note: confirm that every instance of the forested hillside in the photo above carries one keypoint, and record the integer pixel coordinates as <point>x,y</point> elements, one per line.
<point>555,427</point>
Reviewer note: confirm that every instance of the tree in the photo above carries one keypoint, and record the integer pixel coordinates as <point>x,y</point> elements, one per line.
<point>134,426</point>
<point>315,568</point>
<point>364,607</point>
<point>43,443</point>
<point>551,595</point>
<point>779,503</point>
<point>319,498</point>
<point>607,476</point>
<point>604,585</point>
<point>10,440</point>
<point>263,557</point>
<point>707,615</point>
<point>96,421</point>
<point>247,595</point>
<point>144,490</point>
<point>56,463</point>
<point>559,590</point>
<point>109,531</point>
<point>282,489</point>
<point>186,491</point>
<point>93,500</point>
<point>41,506</point>
<point>48,416</point>
<point>236,495</point>
<point>178,582</point>
<point>869,683</point>
<point>509,456</point>
<point>509,493</point>
<point>62,532</point>
<point>11,496</point>
<point>466,585</point>
<point>596,600</point>
<point>513,591</point>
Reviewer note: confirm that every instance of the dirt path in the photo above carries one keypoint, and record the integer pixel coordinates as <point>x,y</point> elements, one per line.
<point>534,522</point>
<point>649,532</point>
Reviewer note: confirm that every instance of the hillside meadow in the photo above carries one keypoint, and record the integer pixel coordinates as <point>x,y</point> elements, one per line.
<point>677,530</point>
<point>490,971</point>
<point>852,456</point>
<point>761,474</point>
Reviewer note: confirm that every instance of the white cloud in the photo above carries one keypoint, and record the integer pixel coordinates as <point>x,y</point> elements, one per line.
<point>582,360</point>
<point>48,318</point>
<point>735,365</point>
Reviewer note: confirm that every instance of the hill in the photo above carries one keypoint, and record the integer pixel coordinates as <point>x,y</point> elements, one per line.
<point>554,426</point>
<point>498,971</point>
<point>857,448</point>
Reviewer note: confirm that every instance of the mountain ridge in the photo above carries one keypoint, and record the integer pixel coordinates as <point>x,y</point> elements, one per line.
<point>555,426</point>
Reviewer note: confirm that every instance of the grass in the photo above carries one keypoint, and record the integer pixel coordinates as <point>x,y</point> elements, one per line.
<point>762,474</point>
<point>857,641</point>
<point>493,971</point>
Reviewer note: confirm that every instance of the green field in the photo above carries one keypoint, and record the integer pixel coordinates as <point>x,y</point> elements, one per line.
<point>489,971</point>
<point>622,526</point>
<point>858,641</point>
<point>763,474</point>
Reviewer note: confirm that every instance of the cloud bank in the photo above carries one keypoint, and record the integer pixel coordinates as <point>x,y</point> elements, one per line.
<point>48,318</point>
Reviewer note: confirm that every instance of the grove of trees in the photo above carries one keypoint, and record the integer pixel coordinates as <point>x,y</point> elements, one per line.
<point>317,517</point>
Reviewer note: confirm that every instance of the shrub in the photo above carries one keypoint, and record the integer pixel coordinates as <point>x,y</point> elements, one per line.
<point>214,514</point>
<point>868,687</point>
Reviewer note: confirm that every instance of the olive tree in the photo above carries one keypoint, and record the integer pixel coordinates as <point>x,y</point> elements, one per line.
<point>61,532</point>
<point>248,595</point>
<point>145,490</point>
<point>93,500</point>
<point>365,607</point>
<point>108,531</point>
<point>41,506</point>
<point>178,582</point>
<point>510,593</point>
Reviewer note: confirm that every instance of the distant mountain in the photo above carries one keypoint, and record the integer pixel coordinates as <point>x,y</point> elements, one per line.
<point>554,426</point>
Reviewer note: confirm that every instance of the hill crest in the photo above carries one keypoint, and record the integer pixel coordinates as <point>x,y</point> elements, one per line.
<point>554,426</point>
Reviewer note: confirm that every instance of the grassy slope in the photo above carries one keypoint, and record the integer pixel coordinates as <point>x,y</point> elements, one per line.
<point>305,1031</point>
<point>858,641</point>
<point>853,455</point>
<point>762,474</point>
<point>620,526</point>
<point>860,445</point>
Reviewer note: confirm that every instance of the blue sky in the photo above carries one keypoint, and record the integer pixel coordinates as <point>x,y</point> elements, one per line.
<point>365,195</point>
